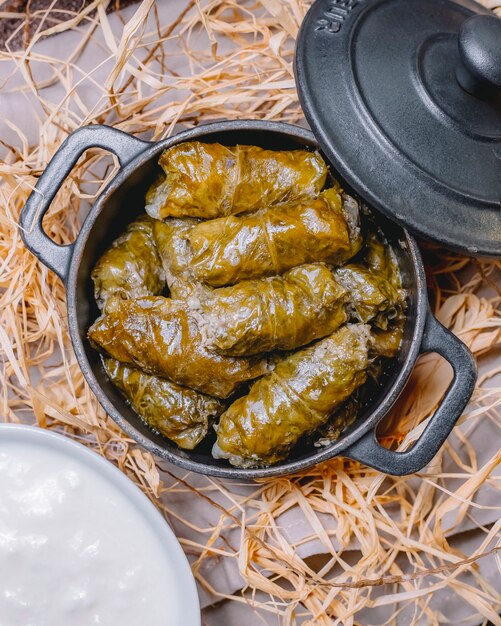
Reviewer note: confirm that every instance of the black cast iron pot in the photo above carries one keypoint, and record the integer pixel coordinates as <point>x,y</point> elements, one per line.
<point>123,199</point>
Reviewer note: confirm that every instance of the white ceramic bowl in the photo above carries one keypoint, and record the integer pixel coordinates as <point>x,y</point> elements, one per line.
<point>83,487</point>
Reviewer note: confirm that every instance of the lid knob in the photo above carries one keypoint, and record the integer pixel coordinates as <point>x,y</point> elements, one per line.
<point>479,68</point>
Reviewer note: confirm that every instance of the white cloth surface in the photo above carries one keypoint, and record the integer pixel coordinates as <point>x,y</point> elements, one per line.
<point>21,108</point>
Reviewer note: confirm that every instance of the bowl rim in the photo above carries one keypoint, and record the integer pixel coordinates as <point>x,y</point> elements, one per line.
<point>288,466</point>
<point>150,515</point>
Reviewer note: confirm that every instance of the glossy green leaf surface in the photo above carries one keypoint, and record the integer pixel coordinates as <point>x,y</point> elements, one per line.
<point>278,313</point>
<point>210,180</point>
<point>171,238</point>
<point>272,241</point>
<point>293,400</point>
<point>163,337</point>
<point>179,413</point>
<point>131,267</point>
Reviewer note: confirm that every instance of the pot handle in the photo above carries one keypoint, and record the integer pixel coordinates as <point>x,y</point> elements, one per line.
<point>51,254</point>
<point>436,339</point>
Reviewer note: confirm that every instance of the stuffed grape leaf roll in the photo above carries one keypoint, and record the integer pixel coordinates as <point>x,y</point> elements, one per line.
<point>278,313</point>
<point>171,238</point>
<point>372,296</point>
<point>211,180</point>
<point>163,337</point>
<point>379,257</point>
<point>293,400</point>
<point>386,343</point>
<point>272,241</point>
<point>179,413</point>
<point>131,267</point>
<point>342,417</point>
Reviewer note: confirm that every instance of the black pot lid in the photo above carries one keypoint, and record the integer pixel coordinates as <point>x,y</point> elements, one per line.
<point>404,97</point>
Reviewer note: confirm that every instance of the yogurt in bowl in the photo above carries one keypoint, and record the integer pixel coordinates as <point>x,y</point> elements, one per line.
<point>80,544</point>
